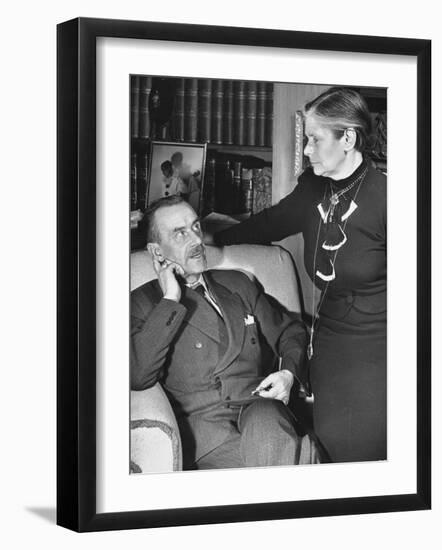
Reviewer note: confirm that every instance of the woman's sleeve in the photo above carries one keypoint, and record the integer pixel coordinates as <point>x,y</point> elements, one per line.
<point>272,224</point>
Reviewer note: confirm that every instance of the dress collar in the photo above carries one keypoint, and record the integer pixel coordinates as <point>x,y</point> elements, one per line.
<point>341,184</point>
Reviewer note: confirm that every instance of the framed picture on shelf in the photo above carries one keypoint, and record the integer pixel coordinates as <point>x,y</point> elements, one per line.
<point>300,161</point>
<point>96,58</point>
<point>176,168</point>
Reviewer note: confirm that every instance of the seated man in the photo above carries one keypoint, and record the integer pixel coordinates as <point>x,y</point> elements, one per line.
<point>202,334</point>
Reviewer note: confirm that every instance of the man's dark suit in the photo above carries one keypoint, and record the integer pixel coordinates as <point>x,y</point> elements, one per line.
<point>206,365</point>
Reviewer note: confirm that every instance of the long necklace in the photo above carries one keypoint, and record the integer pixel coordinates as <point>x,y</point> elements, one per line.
<point>334,200</point>
<point>334,197</point>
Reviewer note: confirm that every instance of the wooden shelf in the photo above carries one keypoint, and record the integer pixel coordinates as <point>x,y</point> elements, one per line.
<point>230,147</point>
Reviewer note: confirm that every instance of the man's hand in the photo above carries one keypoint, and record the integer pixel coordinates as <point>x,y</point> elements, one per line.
<point>166,272</point>
<point>280,383</point>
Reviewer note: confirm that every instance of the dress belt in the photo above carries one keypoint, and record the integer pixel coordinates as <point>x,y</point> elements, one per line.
<point>363,302</point>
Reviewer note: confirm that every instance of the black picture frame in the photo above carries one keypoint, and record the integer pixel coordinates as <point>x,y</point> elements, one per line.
<point>77,287</point>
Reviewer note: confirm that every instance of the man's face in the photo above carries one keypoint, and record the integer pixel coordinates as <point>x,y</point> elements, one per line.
<point>180,238</point>
<point>177,160</point>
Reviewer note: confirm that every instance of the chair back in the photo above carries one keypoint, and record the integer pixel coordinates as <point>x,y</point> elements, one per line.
<point>271,265</point>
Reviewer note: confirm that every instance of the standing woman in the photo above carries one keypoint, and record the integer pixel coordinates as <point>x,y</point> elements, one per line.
<point>339,205</point>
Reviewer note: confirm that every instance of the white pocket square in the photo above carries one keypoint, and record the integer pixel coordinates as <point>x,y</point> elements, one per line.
<point>249,320</point>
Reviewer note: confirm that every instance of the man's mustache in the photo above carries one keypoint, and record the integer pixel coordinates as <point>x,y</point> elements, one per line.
<point>197,251</point>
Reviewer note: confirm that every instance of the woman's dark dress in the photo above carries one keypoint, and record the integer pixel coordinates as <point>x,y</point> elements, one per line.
<point>348,368</point>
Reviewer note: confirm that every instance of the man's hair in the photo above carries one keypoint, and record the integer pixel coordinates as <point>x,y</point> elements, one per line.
<point>149,216</point>
<point>177,158</point>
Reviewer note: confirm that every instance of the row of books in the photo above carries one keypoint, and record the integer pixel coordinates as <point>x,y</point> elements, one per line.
<point>232,185</point>
<point>231,112</point>
<point>139,175</point>
<point>140,88</point>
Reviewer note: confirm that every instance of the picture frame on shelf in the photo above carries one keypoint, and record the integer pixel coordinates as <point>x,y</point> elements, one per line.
<point>95,490</point>
<point>176,168</point>
<point>299,159</point>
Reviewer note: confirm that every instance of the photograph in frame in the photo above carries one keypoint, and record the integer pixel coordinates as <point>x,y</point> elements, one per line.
<point>237,121</point>
<point>176,169</point>
<point>89,519</point>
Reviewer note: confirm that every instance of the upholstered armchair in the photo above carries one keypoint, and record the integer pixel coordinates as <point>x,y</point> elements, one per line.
<point>155,439</point>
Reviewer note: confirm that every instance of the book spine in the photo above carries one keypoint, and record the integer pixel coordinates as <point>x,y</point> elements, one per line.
<point>261,114</point>
<point>252,92</point>
<point>134,105</point>
<point>144,124</point>
<point>228,112</point>
<point>142,175</point>
<point>237,206</point>
<point>239,100</point>
<point>209,187</point>
<point>178,130</point>
<point>133,182</point>
<point>269,115</point>
<point>247,190</point>
<point>217,111</point>
<point>224,190</point>
<point>191,109</point>
<point>204,110</point>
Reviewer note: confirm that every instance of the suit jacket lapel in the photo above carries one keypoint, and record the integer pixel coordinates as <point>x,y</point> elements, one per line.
<point>199,311</point>
<point>233,314</point>
<point>200,314</point>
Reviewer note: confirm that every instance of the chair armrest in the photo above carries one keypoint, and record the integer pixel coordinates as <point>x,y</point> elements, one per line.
<point>155,437</point>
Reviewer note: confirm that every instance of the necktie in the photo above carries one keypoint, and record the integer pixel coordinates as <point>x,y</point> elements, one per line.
<point>222,331</point>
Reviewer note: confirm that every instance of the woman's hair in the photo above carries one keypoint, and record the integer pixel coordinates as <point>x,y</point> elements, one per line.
<point>342,108</point>
<point>166,165</point>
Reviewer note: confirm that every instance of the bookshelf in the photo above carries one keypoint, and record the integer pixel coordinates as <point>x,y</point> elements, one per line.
<point>249,129</point>
<point>234,119</point>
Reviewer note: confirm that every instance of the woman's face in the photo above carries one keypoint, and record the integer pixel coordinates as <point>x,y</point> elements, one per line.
<point>325,151</point>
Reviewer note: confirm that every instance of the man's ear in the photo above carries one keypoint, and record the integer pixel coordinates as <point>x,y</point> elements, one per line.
<point>155,250</point>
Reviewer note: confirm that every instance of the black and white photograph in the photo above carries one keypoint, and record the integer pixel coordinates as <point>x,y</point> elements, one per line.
<point>245,351</point>
<point>176,169</point>
<point>256,368</point>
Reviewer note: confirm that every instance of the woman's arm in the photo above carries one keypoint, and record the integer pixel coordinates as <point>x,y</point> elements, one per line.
<point>270,225</point>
